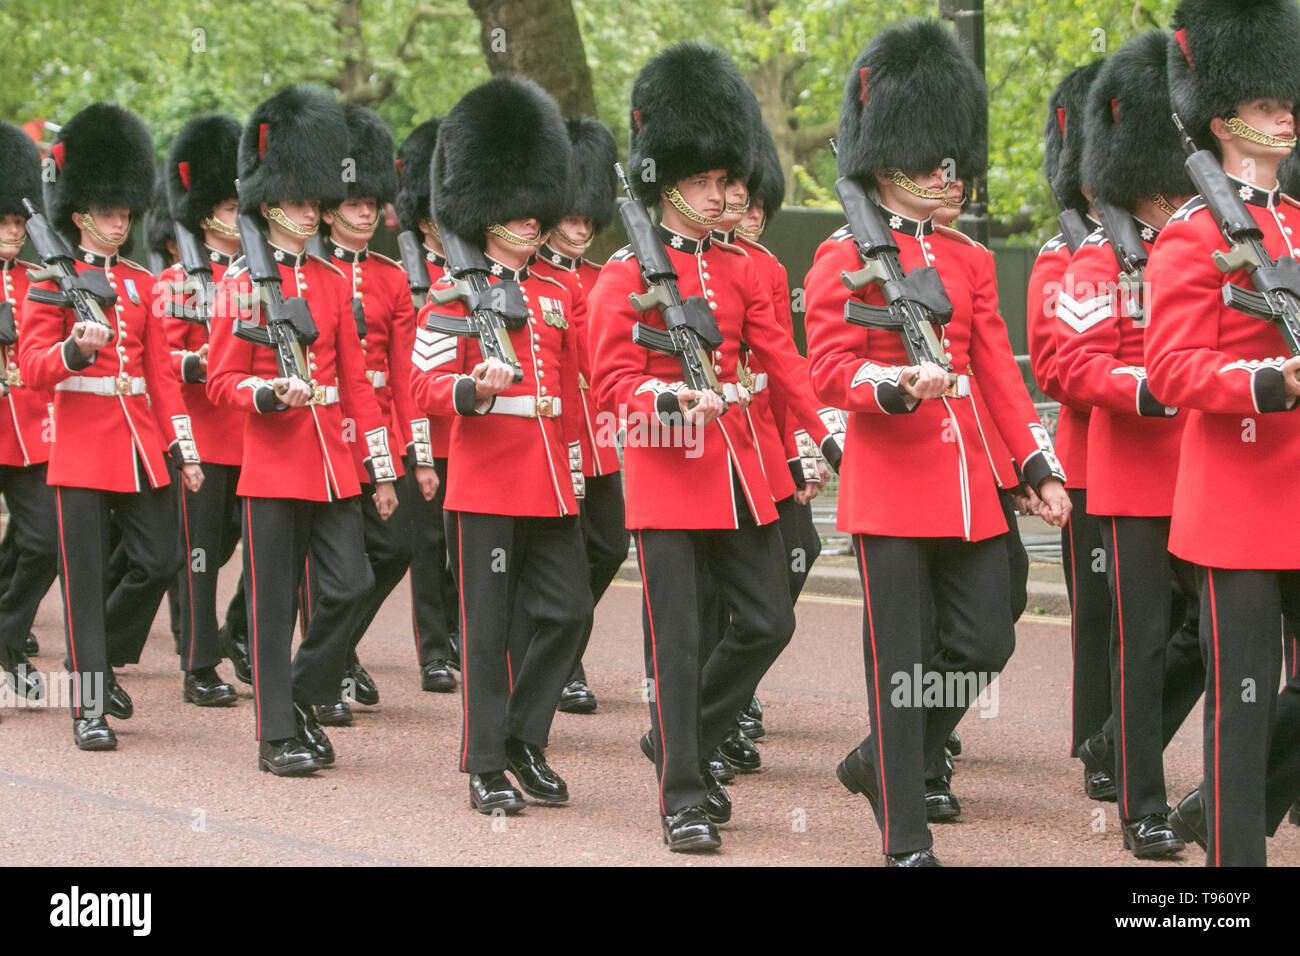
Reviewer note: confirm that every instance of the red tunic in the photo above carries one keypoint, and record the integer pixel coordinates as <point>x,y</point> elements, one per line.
<point>303,453</point>
<point>98,439</point>
<point>1132,439</point>
<point>430,350</point>
<point>505,464</point>
<point>25,419</point>
<point>1241,443</point>
<point>921,469</point>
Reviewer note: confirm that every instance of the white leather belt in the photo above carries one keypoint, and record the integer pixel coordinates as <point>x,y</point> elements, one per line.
<point>102,385</point>
<point>730,394</point>
<point>324,395</point>
<point>377,379</point>
<point>760,382</point>
<point>526,406</point>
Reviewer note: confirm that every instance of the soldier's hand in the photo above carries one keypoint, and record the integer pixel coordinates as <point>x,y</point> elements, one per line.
<point>427,479</point>
<point>926,380</point>
<point>811,489</point>
<point>1026,502</point>
<point>743,396</point>
<point>491,378</point>
<point>192,477</point>
<point>292,391</point>
<point>385,498</point>
<point>202,353</point>
<point>708,408</point>
<point>1291,375</point>
<point>1055,508</point>
<point>90,337</point>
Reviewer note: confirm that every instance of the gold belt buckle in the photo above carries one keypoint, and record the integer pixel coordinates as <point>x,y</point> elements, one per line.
<point>13,376</point>
<point>318,395</point>
<point>122,385</point>
<point>545,407</point>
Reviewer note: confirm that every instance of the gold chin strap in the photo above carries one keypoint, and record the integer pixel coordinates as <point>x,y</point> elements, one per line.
<point>734,210</point>
<point>683,207</point>
<point>903,181</point>
<point>514,238</point>
<point>1241,128</point>
<point>1163,204</point>
<point>88,221</point>
<point>433,228</point>
<point>752,233</point>
<point>5,244</point>
<point>220,228</point>
<point>571,241</point>
<point>348,224</point>
<point>276,215</point>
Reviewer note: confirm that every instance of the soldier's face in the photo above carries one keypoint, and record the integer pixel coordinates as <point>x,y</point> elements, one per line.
<point>753,218</point>
<point>737,197</point>
<point>360,212</point>
<point>13,230</point>
<point>226,212</point>
<point>304,213</point>
<point>114,223</point>
<point>1275,117</point>
<point>706,193</point>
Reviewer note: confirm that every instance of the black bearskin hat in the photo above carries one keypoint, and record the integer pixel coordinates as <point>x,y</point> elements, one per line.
<point>201,169</point>
<point>21,162</point>
<point>158,221</point>
<point>592,181</point>
<point>503,153</point>
<point>1064,132</point>
<point>1132,149</point>
<point>1228,51</point>
<point>913,101</point>
<point>370,146</point>
<point>103,158</point>
<point>1288,175</point>
<point>691,112</point>
<point>293,147</point>
<point>767,181</point>
<point>414,159</point>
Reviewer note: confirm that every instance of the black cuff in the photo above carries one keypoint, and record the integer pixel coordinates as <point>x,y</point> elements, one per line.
<point>1151,407</point>
<point>264,400</point>
<point>191,371</point>
<point>670,411</point>
<point>462,397</point>
<point>1269,390</point>
<point>1037,470</point>
<point>73,358</point>
<point>796,471</point>
<point>832,452</point>
<point>894,400</point>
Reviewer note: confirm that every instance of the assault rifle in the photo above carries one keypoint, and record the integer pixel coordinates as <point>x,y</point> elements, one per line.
<point>197,292</point>
<point>495,308</point>
<point>1073,229</point>
<point>417,267</point>
<point>86,293</point>
<point>1130,254</point>
<point>1276,296</point>
<point>915,302</point>
<point>691,332</point>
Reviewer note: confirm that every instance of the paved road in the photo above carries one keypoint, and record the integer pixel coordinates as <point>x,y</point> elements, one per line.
<point>183,787</point>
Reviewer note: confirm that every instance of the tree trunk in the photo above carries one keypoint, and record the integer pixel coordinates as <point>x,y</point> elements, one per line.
<point>538,39</point>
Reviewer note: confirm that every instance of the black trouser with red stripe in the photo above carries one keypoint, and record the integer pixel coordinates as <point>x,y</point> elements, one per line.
<point>1083,559</point>
<point>434,612</point>
<point>1017,558</point>
<point>210,525</point>
<point>282,536</point>
<point>34,545</point>
<point>1241,614</point>
<point>103,627</point>
<point>513,570</point>
<point>695,697</point>
<point>1282,785</point>
<point>1141,574</point>
<point>606,538</point>
<point>959,590</point>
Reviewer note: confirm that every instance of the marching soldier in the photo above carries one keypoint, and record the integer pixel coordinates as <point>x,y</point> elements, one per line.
<point>24,445</point>
<point>1232,80</point>
<point>1133,162</point>
<point>434,614</point>
<point>298,479</point>
<point>601,516</point>
<point>202,197</point>
<point>518,539</point>
<point>948,554</point>
<point>697,500</point>
<point>385,321</point>
<point>117,414</point>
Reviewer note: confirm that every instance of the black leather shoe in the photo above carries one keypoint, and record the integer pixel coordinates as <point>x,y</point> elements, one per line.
<point>577,698</point>
<point>117,702</point>
<point>1099,785</point>
<point>24,680</point>
<point>289,757</point>
<point>858,776</point>
<point>750,726</point>
<point>30,647</point>
<point>918,858</point>
<point>940,803</point>
<point>528,764</point>
<point>93,733</point>
<point>1187,820</point>
<point>739,752</point>
<point>1096,755</point>
<point>1151,836</point>
<point>954,744</point>
<point>338,714</point>
<point>717,766</point>
<point>205,688</point>
<point>755,708</point>
<point>689,830</point>
<point>359,686</point>
<point>489,792</point>
<point>437,678</point>
<point>235,647</point>
<point>312,735</point>
<point>717,802</point>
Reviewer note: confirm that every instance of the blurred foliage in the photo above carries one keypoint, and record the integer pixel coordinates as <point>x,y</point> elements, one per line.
<point>167,59</point>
